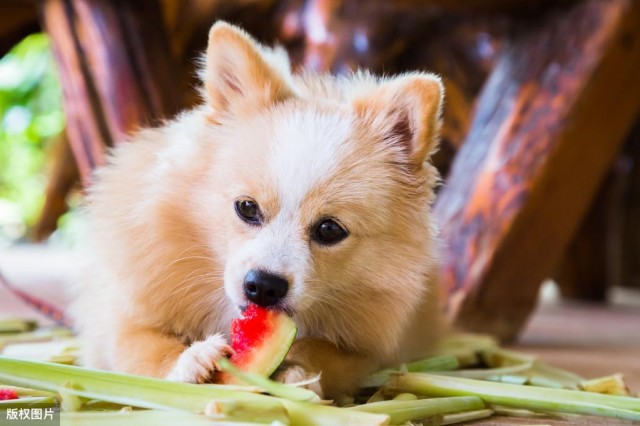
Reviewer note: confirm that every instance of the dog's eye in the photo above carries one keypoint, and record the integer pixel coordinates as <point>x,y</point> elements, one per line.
<point>328,232</point>
<point>249,211</point>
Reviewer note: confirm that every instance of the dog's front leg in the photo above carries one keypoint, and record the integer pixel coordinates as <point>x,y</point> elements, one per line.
<point>341,372</point>
<point>151,352</point>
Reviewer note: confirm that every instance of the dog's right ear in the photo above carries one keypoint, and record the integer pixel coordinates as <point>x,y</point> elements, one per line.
<point>239,73</point>
<point>405,110</point>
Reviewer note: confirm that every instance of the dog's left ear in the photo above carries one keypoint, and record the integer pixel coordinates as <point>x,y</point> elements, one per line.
<point>239,73</point>
<point>406,111</point>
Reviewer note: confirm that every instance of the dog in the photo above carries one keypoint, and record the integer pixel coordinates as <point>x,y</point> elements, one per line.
<point>309,194</point>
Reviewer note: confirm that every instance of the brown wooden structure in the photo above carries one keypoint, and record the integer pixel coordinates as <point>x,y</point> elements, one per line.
<point>541,97</point>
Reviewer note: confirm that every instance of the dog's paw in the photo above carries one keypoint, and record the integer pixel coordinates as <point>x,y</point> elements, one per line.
<point>199,361</point>
<point>294,374</point>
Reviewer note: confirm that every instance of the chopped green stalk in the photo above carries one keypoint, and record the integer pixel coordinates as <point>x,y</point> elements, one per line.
<point>466,357</point>
<point>466,347</point>
<point>143,418</point>
<point>475,342</point>
<point>451,419</point>
<point>555,375</point>
<point>95,405</point>
<point>519,412</point>
<point>509,378</point>
<point>612,385</point>
<point>529,397</point>
<point>274,388</point>
<point>68,400</point>
<point>304,413</point>
<point>235,408</point>
<point>146,392</point>
<point>405,397</point>
<point>63,359</point>
<point>377,379</point>
<point>63,351</point>
<point>35,336</point>
<point>119,388</point>
<point>15,325</point>
<point>502,362</point>
<point>376,397</point>
<point>404,411</point>
<point>308,381</point>
<point>436,363</point>
<point>497,358</point>
<point>26,391</point>
<point>506,362</point>
<point>543,382</point>
<point>243,388</point>
<point>28,401</point>
<point>484,373</point>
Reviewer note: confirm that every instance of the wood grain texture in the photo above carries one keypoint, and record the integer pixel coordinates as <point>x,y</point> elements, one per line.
<point>548,125</point>
<point>116,69</point>
<point>87,132</point>
<point>62,179</point>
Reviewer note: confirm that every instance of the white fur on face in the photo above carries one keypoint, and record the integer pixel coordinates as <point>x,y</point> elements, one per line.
<point>278,248</point>
<point>305,150</point>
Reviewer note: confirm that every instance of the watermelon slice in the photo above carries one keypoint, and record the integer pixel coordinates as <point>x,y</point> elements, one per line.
<point>7,394</point>
<point>261,340</point>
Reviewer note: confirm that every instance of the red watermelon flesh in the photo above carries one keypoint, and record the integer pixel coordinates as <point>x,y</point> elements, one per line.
<point>261,340</point>
<point>7,394</point>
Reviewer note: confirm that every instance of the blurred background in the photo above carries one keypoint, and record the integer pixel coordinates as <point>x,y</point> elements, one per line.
<point>540,206</point>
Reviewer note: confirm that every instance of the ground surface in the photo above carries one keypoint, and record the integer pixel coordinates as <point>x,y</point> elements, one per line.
<point>591,340</point>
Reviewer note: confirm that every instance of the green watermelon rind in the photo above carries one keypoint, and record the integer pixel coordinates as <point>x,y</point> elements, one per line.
<point>265,358</point>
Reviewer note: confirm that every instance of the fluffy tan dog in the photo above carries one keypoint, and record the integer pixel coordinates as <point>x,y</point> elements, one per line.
<point>309,194</point>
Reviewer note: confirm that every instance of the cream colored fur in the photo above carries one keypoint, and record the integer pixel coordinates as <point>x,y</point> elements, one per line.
<point>167,253</point>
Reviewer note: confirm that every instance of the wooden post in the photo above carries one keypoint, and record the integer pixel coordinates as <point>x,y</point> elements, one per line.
<point>116,70</point>
<point>588,267</point>
<point>62,179</point>
<point>548,125</point>
<point>628,223</point>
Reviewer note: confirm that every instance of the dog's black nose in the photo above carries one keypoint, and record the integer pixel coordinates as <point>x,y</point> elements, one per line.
<point>264,288</point>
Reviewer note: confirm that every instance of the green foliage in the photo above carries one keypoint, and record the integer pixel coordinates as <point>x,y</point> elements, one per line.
<point>30,115</point>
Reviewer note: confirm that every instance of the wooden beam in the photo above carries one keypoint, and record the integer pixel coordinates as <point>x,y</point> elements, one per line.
<point>628,220</point>
<point>520,7</point>
<point>547,127</point>
<point>62,179</point>
<point>85,125</point>
<point>116,70</point>
<point>586,270</point>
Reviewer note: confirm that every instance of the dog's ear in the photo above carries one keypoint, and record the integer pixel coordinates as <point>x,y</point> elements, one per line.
<point>240,73</point>
<point>406,111</point>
